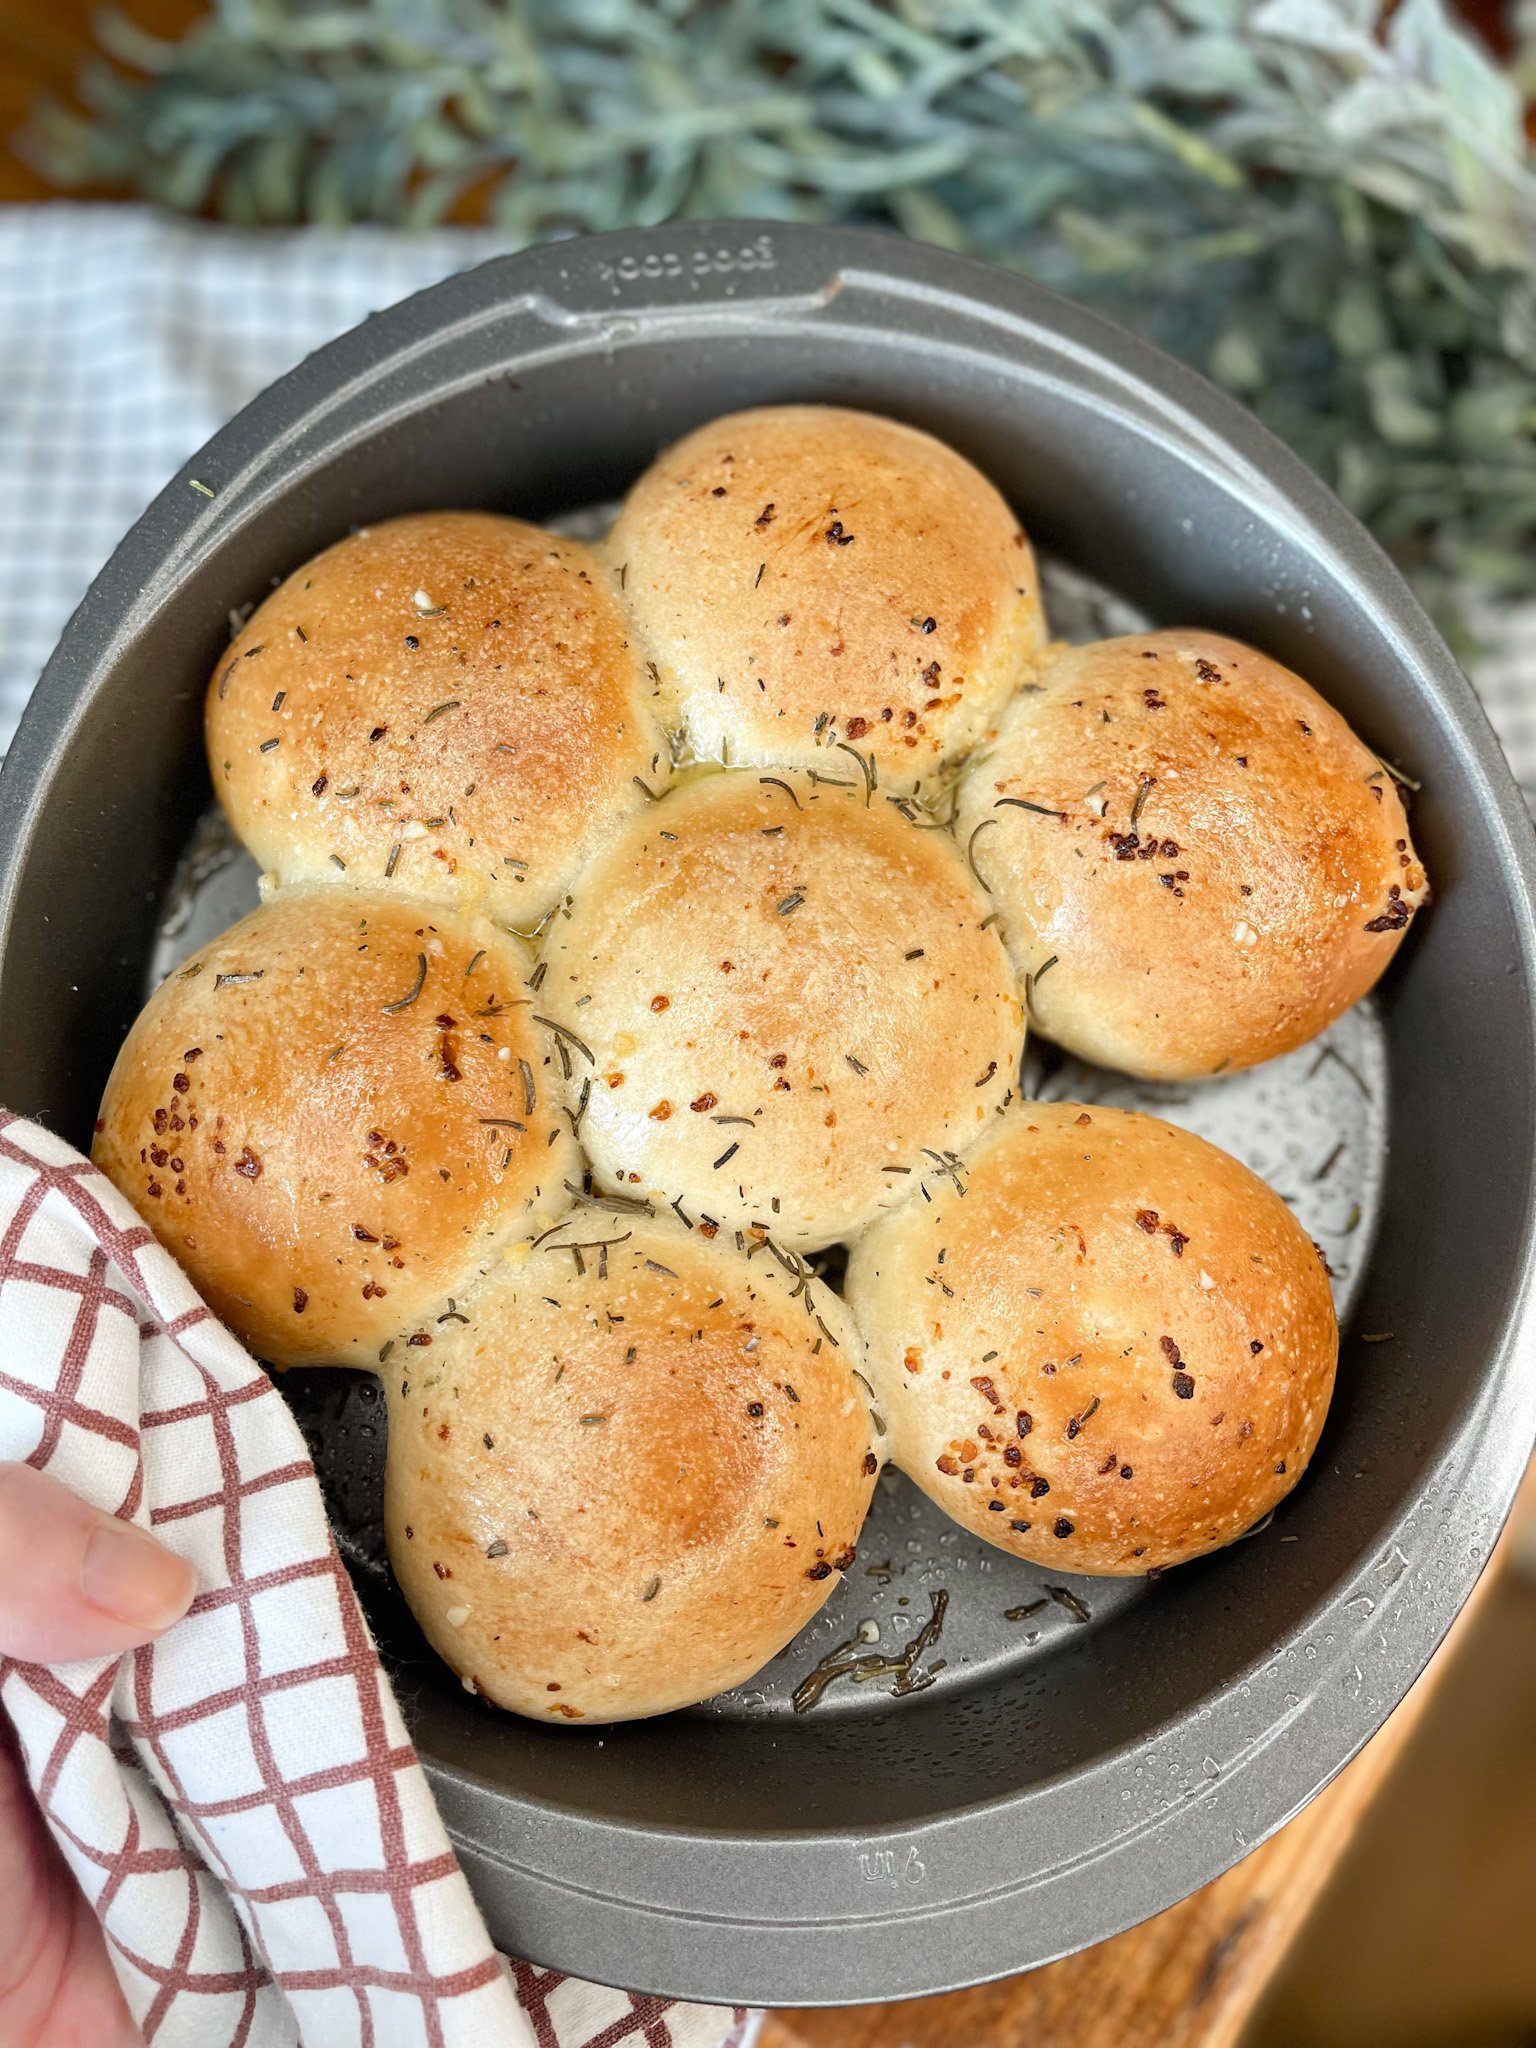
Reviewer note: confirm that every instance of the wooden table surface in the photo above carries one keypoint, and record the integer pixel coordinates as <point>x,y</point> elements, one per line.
<point>1192,1977</point>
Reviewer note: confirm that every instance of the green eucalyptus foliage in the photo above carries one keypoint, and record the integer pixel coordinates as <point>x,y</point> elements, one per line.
<point>1334,218</point>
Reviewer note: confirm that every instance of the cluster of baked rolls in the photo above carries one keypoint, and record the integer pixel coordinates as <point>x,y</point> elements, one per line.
<point>639,922</point>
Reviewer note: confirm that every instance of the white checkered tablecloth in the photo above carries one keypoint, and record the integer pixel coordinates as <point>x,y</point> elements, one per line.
<point>126,339</point>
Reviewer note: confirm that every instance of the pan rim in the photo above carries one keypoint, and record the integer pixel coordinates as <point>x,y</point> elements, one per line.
<point>1491,1440</point>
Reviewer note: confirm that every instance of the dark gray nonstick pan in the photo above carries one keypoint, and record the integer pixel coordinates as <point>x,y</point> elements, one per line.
<point>1071,1769</point>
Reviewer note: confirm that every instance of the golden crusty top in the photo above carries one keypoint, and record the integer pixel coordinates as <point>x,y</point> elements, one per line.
<point>449,702</point>
<point>632,1476</point>
<point>779,1002</point>
<point>1115,1352</point>
<point>805,574</point>
<point>332,1114</point>
<point>1198,864</point>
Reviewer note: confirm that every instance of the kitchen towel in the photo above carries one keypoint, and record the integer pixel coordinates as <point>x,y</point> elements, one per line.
<point>239,1801</point>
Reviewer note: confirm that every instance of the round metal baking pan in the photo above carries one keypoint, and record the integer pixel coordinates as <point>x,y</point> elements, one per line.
<point>1031,1799</point>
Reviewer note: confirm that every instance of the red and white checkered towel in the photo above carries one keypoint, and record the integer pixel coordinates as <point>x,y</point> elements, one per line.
<point>239,1800</point>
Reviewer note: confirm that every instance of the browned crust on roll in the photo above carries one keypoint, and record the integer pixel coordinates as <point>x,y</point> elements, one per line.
<point>782,1002</point>
<point>324,1116</point>
<point>1198,864</point>
<point>623,1486</point>
<point>805,574</point>
<point>447,704</point>
<point>1130,1358</point>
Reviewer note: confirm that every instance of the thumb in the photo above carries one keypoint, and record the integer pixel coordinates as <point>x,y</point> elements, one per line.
<point>75,1582</point>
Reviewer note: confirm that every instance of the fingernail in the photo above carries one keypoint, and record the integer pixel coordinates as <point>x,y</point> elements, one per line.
<point>133,1578</point>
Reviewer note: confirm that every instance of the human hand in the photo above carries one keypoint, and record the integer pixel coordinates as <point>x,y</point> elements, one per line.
<point>74,1583</point>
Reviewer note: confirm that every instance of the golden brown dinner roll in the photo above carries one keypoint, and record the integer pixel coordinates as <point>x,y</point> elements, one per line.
<point>778,1002</point>
<point>334,1114</point>
<point>1114,1353</point>
<point>633,1475</point>
<point>806,575</point>
<point>1198,864</point>
<point>449,702</point>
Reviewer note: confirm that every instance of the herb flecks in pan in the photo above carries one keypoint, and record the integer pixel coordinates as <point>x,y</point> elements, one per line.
<point>854,1660</point>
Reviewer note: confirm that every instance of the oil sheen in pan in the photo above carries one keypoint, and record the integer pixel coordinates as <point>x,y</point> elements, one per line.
<point>926,1606</point>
